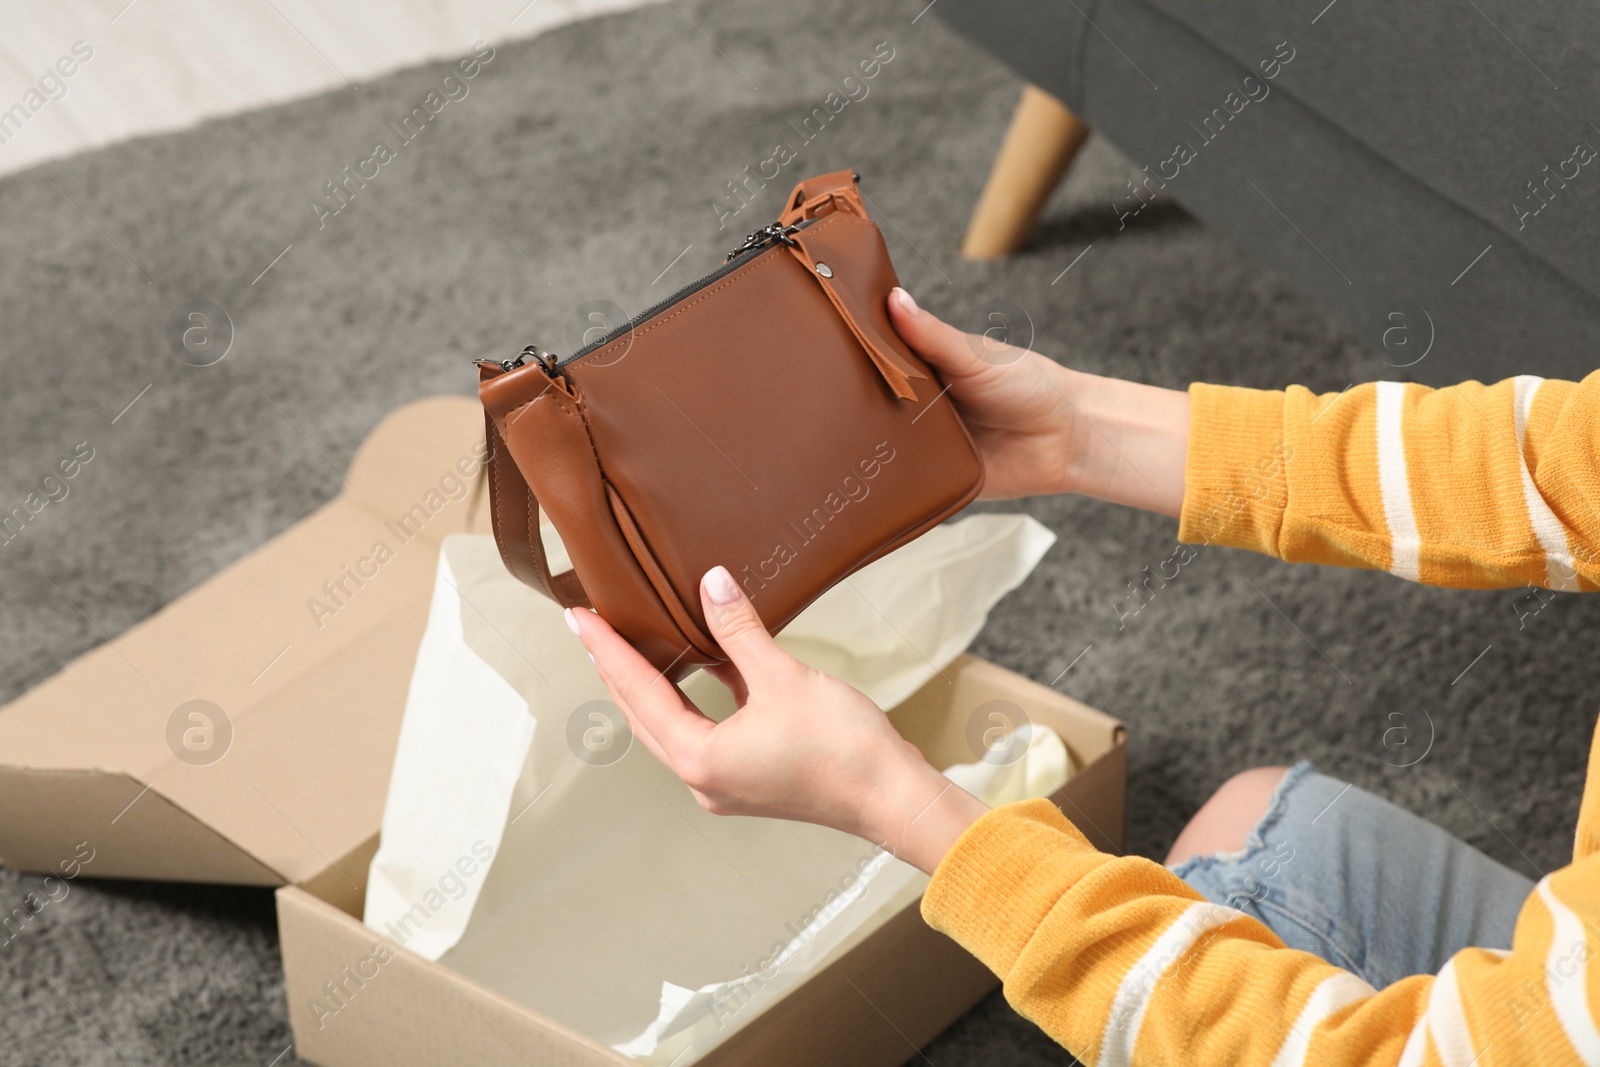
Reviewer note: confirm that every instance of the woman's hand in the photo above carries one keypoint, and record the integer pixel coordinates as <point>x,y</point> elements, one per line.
<point>1045,429</point>
<point>801,745</point>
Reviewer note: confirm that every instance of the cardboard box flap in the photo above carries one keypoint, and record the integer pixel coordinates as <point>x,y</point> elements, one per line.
<point>245,732</point>
<point>153,837</point>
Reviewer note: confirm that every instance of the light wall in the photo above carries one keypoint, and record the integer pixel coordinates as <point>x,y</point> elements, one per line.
<point>158,65</point>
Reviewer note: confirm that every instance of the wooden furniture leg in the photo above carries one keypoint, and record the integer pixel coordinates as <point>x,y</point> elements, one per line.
<point>1040,145</point>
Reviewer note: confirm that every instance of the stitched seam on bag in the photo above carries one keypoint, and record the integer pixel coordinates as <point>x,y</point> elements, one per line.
<point>636,562</point>
<point>570,413</point>
<point>740,276</point>
<point>495,494</point>
<point>650,567</point>
<point>576,412</point>
<point>846,216</point>
<point>595,452</point>
<point>533,531</point>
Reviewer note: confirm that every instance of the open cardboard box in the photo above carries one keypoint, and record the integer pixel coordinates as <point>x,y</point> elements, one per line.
<point>245,733</point>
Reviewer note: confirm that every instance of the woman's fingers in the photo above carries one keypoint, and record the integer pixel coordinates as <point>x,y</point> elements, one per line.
<point>738,629</point>
<point>635,727</point>
<point>955,355</point>
<point>638,730</point>
<point>656,708</point>
<point>729,675</point>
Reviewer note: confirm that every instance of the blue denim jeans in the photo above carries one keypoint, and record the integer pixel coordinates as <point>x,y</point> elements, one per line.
<point>1365,885</point>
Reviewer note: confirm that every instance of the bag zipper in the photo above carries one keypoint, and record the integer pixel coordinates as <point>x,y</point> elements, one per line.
<point>756,243</point>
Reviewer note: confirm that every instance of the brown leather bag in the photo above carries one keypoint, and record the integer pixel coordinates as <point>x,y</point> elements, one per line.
<point>767,418</point>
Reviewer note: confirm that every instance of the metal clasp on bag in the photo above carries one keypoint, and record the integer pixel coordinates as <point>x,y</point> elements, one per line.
<point>547,360</point>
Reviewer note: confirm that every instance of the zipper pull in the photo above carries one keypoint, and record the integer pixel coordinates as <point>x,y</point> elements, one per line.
<point>772,232</point>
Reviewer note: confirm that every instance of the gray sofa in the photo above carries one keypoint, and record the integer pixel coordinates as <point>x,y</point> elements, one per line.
<point>1426,171</point>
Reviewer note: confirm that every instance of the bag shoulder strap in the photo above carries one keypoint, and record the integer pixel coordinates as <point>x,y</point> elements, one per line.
<point>514,513</point>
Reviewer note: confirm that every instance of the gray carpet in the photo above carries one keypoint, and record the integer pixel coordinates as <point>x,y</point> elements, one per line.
<point>578,167</point>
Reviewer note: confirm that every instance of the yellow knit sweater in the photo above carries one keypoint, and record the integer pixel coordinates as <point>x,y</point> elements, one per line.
<point>1123,963</point>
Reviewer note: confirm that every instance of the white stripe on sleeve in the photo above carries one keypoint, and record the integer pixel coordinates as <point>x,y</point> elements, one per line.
<point>1139,984</point>
<point>1566,976</point>
<point>1334,992</point>
<point>1447,1022</point>
<point>1406,546</point>
<point>1561,571</point>
<point>1416,1044</point>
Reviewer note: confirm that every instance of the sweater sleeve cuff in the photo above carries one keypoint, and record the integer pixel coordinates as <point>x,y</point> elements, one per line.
<point>1001,878</point>
<point>1235,488</point>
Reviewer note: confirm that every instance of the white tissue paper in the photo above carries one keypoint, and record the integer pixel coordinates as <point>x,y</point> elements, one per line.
<point>530,844</point>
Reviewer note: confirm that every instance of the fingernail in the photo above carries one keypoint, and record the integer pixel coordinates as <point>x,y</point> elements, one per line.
<point>572,620</point>
<point>720,586</point>
<point>586,652</point>
<point>908,305</point>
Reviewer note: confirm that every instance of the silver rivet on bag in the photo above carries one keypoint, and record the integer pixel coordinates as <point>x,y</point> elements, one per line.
<point>824,270</point>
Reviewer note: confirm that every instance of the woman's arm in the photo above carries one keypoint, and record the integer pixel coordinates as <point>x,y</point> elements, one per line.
<point>1122,963</point>
<point>1471,486</point>
<point>1113,956</point>
<point>1468,486</point>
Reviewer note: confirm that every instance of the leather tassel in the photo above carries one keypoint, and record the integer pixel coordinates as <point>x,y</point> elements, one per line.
<point>894,370</point>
